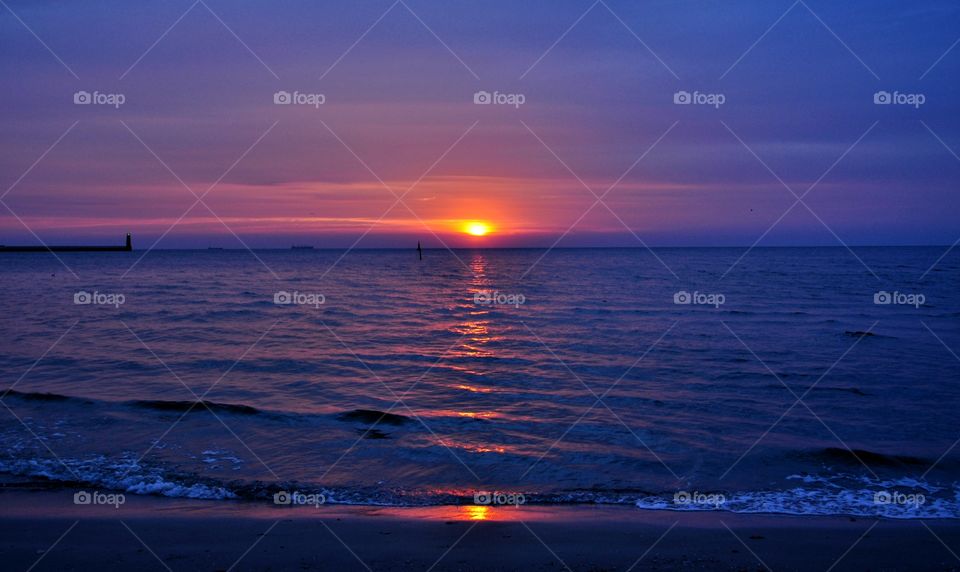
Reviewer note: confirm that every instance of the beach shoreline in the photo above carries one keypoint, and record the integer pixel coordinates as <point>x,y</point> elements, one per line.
<point>47,529</point>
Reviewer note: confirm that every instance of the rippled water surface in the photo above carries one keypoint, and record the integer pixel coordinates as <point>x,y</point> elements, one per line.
<point>584,383</point>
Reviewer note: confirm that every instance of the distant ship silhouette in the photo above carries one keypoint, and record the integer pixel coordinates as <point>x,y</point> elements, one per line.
<point>70,248</point>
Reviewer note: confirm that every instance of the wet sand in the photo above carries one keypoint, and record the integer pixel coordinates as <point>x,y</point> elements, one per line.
<point>48,531</point>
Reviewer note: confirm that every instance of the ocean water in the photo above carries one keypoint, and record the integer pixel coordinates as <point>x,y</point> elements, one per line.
<point>572,376</point>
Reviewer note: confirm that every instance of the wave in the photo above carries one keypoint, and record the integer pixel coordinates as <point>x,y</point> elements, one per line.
<point>858,457</point>
<point>373,416</point>
<point>195,406</point>
<point>36,396</point>
<point>835,495</point>
<point>365,416</point>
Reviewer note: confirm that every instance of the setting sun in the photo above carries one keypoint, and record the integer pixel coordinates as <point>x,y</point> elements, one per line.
<point>477,228</point>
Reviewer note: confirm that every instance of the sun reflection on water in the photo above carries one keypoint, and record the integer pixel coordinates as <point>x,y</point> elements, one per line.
<point>476,512</point>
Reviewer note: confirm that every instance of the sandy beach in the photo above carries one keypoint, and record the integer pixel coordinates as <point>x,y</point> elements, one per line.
<point>45,531</point>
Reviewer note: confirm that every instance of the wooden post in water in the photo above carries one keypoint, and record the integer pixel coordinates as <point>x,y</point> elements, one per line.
<point>419,250</point>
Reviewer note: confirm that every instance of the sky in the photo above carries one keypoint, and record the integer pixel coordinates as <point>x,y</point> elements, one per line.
<point>399,152</point>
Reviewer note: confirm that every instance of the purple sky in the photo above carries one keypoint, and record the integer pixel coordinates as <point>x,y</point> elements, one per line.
<point>598,79</point>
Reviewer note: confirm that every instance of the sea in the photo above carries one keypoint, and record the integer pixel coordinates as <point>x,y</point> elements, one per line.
<point>811,381</point>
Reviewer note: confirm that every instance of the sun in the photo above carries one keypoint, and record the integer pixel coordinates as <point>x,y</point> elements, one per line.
<point>477,228</point>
